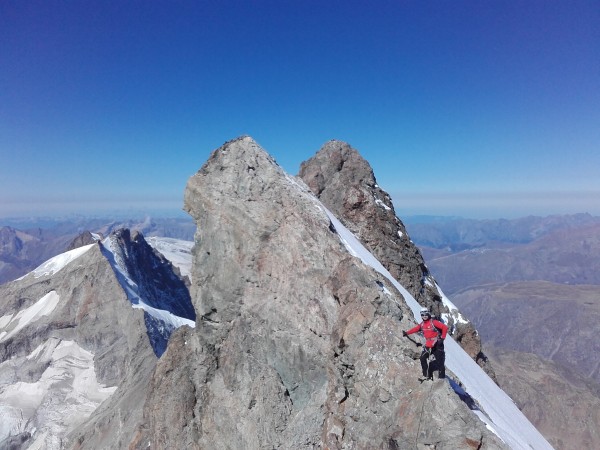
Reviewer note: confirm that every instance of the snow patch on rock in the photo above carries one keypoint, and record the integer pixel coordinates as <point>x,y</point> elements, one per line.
<point>177,251</point>
<point>64,396</point>
<point>57,263</point>
<point>11,324</point>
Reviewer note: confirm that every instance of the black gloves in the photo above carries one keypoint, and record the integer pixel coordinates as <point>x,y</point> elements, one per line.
<point>404,333</point>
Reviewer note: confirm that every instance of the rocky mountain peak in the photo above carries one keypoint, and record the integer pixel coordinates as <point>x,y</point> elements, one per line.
<point>297,343</point>
<point>344,181</point>
<point>82,239</point>
<point>336,159</point>
<point>297,340</point>
<point>69,339</point>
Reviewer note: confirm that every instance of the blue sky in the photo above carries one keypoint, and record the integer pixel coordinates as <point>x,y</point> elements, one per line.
<point>479,109</point>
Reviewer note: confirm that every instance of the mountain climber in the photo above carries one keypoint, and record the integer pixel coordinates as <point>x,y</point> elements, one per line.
<point>434,332</point>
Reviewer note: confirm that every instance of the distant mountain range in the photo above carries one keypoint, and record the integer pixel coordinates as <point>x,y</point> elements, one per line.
<point>455,234</point>
<point>532,288</point>
<point>21,250</point>
<point>466,252</point>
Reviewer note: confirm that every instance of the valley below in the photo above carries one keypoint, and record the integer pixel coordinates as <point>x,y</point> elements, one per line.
<point>531,287</point>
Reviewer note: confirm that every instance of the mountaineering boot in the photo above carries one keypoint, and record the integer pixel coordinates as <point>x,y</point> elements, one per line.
<point>425,378</point>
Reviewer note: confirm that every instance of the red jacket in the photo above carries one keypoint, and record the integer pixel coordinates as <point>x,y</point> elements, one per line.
<point>430,329</point>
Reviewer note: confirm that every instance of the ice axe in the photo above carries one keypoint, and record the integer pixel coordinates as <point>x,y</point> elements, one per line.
<point>418,344</point>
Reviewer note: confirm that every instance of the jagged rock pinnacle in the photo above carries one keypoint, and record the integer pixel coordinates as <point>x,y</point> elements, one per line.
<point>297,342</point>
<point>344,181</point>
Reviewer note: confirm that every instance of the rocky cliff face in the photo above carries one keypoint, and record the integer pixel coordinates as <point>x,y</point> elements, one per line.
<point>82,239</point>
<point>151,283</point>
<point>297,343</point>
<point>344,181</point>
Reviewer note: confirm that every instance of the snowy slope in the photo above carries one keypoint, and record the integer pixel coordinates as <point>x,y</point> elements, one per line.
<point>178,251</point>
<point>58,262</point>
<point>131,289</point>
<point>11,324</point>
<point>159,317</point>
<point>498,411</point>
<point>64,396</point>
<point>48,392</point>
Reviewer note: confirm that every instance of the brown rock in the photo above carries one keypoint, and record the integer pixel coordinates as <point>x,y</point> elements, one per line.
<point>346,185</point>
<point>296,344</point>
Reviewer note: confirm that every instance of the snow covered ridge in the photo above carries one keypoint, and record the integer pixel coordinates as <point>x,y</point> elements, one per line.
<point>131,288</point>
<point>383,205</point>
<point>498,411</point>
<point>57,263</point>
<point>454,312</point>
<point>160,323</point>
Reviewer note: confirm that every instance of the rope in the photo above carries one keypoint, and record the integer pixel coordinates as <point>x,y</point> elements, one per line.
<point>423,404</point>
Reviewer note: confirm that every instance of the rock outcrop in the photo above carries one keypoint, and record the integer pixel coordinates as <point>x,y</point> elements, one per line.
<point>344,182</point>
<point>82,239</point>
<point>296,343</point>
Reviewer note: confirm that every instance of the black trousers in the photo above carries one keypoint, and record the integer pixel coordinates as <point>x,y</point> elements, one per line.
<point>428,365</point>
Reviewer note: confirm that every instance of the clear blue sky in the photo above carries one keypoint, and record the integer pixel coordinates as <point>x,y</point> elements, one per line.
<point>480,109</point>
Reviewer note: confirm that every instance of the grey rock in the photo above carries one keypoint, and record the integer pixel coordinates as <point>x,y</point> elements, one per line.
<point>16,442</point>
<point>344,181</point>
<point>296,344</point>
<point>82,239</point>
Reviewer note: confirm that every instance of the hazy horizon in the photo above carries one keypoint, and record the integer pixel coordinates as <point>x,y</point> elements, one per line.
<point>496,206</point>
<point>464,108</point>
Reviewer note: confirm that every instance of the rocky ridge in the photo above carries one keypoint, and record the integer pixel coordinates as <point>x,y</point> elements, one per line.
<point>297,342</point>
<point>344,182</point>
